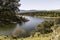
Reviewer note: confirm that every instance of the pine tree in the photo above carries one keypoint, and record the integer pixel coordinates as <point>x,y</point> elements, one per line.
<point>8,9</point>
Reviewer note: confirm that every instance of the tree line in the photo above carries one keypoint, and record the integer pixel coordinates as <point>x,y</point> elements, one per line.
<point>43,13</point>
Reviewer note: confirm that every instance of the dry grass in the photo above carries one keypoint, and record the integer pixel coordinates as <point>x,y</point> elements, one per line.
<point>41,37</point>
<point>50,36</point>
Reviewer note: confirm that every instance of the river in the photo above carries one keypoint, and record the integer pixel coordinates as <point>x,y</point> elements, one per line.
<point>28,26</point>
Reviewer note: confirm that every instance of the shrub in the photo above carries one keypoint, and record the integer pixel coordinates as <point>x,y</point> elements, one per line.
<point>19,33</point>
<point>45,27</point>
<point>57,21</point>
<point>32,33</point>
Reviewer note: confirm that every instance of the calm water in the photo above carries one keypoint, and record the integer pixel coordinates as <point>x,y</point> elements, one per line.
<point>28,26</point>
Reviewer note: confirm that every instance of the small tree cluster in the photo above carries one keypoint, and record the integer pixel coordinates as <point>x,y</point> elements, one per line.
<point>45,27</point>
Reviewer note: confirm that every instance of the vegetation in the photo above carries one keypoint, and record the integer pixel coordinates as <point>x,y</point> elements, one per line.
<point>43,13</point>
<point>8,10</point>
<point>19,33</point>
<point>57,21</point>
<point>45,27</point>
<point>32,33</point>
<point>47,30</point>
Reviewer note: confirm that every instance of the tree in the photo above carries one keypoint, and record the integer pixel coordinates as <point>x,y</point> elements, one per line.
<point>8,9</point>
<point>9,5</point>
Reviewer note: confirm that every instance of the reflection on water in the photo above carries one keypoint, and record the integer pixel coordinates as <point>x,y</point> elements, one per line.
<point>28,26</point>
<point>7,29</point>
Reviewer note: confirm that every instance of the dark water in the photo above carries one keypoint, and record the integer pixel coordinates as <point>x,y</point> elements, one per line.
<point>28,26</point>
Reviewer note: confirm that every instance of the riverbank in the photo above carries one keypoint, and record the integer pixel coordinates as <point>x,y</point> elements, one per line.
<point>16,19</point>
<point>29,38</point>
<point>39,16</point>
<point>45,17</point>
<point>50,36</point>
<point>42,13</point>
<point>41,37</point>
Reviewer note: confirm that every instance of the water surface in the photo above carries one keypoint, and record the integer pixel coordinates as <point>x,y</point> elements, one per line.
<point>28,26</point>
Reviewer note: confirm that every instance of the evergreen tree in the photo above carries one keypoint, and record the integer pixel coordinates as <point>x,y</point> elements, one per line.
<point>8,9</point>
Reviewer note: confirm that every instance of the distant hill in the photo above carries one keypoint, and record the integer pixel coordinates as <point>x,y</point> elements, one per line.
<point>57,10</point>
<point>24,11</point>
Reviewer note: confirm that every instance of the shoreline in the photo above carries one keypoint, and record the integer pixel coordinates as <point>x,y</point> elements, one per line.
<point>39,16</point>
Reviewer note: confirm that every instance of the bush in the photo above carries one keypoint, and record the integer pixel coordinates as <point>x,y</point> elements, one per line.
<point>57,21</point>
<point>32,33</point>
<point>45,27</point>
<point>19,33</point>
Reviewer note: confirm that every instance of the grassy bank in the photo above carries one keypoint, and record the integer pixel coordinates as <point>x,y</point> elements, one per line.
<point>50,36</point>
